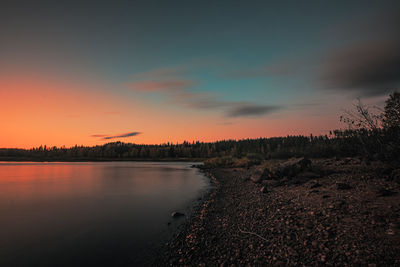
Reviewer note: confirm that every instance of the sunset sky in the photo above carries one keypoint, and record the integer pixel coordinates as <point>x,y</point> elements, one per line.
<point>169,71</point>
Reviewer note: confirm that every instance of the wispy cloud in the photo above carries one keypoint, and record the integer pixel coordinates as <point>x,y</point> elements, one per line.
<point>108,137</point>
<point>121,135</point>
<point>251,110</point>
<point>181,91</point>
<point>98,135</point>
<point>177,92</point>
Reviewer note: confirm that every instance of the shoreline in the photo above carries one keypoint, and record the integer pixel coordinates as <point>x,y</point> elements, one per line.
<point>348,216</point>
<point>19,159</point>
<point>197,213</point>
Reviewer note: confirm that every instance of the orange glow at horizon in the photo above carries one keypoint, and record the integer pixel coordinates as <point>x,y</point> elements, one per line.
<point>38,110</point>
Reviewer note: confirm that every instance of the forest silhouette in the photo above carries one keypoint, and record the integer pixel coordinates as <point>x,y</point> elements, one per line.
<point>369,135</point>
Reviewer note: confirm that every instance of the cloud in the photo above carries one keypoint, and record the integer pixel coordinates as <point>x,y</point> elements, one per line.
<point>366,64</point>
<point>369,66</point>
<point>180,91</point>
<point>371,69</point>
<point>121,135</point>
<point>98,135</point>
<point>177,92</point>
<point>229,108</point>
<point>108,137</point>
<point>251,110</point>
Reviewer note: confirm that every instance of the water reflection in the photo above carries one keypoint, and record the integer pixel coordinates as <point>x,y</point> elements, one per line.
<point>68,214</point>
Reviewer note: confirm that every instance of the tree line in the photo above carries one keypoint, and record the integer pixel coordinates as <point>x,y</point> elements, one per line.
<point>338,143</point>
<point>370,135</point>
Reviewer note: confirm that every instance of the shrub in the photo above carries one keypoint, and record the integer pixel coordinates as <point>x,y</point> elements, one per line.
<point>228,161</point>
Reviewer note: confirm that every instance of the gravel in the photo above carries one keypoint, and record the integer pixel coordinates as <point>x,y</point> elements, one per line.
<point>316,222</point>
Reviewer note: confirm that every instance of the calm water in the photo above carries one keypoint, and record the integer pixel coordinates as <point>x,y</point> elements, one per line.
<point>91,214</point>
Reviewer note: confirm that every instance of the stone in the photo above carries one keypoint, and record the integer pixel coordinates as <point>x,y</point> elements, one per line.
<point>289,168</point>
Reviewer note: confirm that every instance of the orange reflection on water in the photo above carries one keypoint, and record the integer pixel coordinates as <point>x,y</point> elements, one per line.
<point>72,213</point>
<point>38,181</point>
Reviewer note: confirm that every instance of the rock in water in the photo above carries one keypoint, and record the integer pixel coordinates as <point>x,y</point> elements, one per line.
<point>177,214</point>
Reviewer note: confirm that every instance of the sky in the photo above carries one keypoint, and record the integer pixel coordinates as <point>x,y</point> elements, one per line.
<point>151,72</point>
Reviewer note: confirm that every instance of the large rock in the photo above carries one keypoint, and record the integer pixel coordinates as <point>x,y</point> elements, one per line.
<point>290,168</point>
<point>293,167</point>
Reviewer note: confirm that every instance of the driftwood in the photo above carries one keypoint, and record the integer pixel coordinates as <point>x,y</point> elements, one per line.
<point>252,233</point>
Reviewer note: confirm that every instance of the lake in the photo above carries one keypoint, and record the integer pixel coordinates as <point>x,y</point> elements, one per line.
<point>92,213</point>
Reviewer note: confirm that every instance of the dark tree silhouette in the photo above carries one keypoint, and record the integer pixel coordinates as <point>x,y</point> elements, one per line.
<point>370,134</point>
<point>391,115</point>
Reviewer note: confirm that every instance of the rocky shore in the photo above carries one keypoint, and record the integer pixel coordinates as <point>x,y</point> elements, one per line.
<point>334,212</point>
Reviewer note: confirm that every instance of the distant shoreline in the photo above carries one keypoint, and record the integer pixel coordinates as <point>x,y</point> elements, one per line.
<point>22,159</point>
